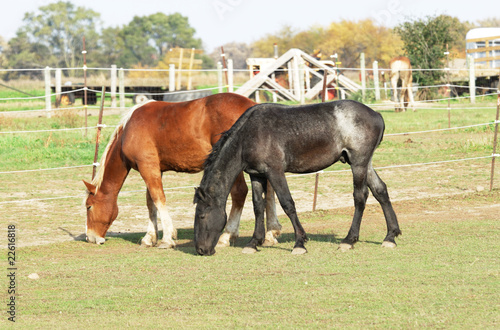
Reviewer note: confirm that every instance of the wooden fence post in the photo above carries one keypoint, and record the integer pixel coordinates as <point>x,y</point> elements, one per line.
<point>448,88</point>
<point>121,87</point>
<point>48,96</point>
<point>220,82</point>
<point>363,76</point>
<point>191,59</point>
<point>302,80</point>
<point>113,86</point>
<point>495,136</point>
<point>58,87</point>
<point>230,78</point>
<point>472,80</point>
<point>179,71</point>
<point>375,81</point>
<point>98,133</point>
<point>171,78</point>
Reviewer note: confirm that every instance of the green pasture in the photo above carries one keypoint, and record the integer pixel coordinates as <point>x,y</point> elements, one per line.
<point>443,274</point>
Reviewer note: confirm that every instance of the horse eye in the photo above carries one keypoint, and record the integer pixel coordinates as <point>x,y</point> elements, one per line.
<point>89,207</point>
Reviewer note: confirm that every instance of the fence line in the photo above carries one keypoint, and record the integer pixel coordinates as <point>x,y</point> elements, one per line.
<point>391,134</point>
<point>262,89</point>
<point>58,129</point>
<point>46,169</point>
<point>288,176</point>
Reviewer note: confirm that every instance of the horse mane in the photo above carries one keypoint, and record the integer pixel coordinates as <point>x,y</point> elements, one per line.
<point>226,137</point>
<point>97,181</point>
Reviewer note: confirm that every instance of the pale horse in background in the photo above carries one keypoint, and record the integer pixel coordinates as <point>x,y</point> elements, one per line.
<point>401,76</point>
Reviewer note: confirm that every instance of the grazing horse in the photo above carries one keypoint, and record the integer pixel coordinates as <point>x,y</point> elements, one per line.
<point>271,139</point>
<point>401,76</point>
<point>159,136</point>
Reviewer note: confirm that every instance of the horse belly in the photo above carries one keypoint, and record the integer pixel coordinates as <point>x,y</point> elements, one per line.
<point>188,158</point>
<point>311,159</point>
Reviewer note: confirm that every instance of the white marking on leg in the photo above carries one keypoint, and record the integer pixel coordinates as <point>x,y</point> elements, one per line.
<point>169,231</point>
<point>270,239</point>
<point>224,240</point>
<point>151,237</point>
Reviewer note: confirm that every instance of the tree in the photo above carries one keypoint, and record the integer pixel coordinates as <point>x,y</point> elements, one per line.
<point>351,38</point>
<point>147,39</point>
<point>346,38</point>
<point>425,43</point>
<point>489,22</point>
<point>53,35</point>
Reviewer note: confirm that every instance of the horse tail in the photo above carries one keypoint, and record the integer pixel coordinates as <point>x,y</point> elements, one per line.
<point>381,135</point>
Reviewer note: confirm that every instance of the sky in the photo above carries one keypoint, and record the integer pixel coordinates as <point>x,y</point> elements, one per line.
<point>222,21</point>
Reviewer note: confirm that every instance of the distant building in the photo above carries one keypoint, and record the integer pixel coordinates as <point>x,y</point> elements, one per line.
<point>483,44</point>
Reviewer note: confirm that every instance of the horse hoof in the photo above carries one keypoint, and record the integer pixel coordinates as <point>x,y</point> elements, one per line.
<point>167,245</point>
<point>270,239</point>
<point>147,242</point>
<point>224,240</point>
<point>388,244</point>
<point>248,250</point>
<point>299,250</point>
<point>344,247</point>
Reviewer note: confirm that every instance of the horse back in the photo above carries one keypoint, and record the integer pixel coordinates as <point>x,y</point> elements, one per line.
<point>180,135</point>
<point>310,138</point>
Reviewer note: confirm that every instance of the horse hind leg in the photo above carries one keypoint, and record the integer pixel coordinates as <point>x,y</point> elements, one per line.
<point>360,196</point>
<point>273,227</point>
<point>379,191</point>
<point>151,237</point>
<point>238,194</point>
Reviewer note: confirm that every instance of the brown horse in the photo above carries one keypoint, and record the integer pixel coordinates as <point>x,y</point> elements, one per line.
<point>160,136</point>
<point>401,76</point>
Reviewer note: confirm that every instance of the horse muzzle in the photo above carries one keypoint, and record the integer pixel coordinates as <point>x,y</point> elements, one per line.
<point>92,238</point>
<point>205,251</point>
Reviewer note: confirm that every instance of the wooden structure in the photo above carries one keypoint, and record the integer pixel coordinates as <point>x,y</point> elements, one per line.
<point>304,81</point>
<point>483,44</point>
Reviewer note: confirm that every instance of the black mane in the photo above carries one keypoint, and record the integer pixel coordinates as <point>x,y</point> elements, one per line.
<point>226,136</point>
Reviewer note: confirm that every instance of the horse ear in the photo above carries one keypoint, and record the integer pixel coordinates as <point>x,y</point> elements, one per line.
<point>90,187</point>
<point>199,195</point>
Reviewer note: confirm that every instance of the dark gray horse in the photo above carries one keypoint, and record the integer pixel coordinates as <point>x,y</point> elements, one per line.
<point>269,140</point>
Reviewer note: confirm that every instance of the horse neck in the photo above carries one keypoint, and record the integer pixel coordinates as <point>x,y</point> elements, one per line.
<point>113,171</point>
<point>219,179</point>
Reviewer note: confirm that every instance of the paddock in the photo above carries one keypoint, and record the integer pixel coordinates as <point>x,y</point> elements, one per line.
<point>444,271</point>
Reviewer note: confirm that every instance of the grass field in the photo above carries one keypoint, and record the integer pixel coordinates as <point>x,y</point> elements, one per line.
<point>443,274</point>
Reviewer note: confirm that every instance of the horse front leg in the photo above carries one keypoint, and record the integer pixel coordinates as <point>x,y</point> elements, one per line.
<point>360,196</point>
<point>278,180</point>
<point>238,194</point>
<point>152,178</point>
<point>379,191</point>
<point>151,237</point>
<point>259,190</point>
<point>273,227</point>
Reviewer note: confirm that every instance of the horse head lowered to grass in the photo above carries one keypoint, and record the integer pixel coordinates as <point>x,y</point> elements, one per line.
<point>271,139</point>
<point>157,137</point>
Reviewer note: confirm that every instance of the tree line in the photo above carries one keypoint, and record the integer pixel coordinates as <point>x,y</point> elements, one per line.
<point>52,36</point>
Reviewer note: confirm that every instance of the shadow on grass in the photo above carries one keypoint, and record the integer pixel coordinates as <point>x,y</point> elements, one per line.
<point>185,242</point>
